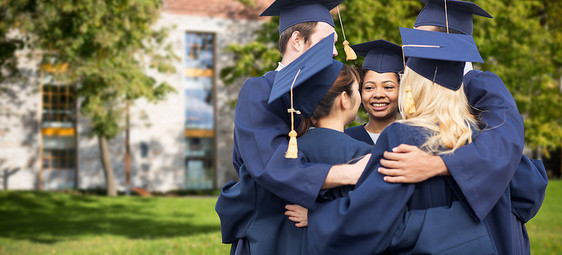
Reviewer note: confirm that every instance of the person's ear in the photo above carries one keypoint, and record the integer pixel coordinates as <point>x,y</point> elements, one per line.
<point>297,41</point>
<point>344,100</point>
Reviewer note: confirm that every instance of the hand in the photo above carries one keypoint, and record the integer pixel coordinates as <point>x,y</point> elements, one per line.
<point>298,214</point>
<point>409,164</point>
<point>346,174</point>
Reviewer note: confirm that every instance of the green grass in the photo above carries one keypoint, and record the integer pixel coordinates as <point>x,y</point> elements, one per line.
<point>545,230</point>
<point>56,223</point>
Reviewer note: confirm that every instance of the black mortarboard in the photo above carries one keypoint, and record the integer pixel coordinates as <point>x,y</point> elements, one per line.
<point>439,57</point>
<point>292,12</point>
<point>381,56</point>
<point>459,14</point>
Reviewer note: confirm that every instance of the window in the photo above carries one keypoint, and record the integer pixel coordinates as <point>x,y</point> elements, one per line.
<point>59,168</point>
<point>199,111</point>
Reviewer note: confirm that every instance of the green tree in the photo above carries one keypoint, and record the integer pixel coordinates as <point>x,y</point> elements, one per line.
<point>9,44</point>
<point>107,45</point>
<point>522,44</point>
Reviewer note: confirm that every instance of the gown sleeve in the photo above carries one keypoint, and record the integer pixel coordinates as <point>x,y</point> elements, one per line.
<point>484,168</point>
<point>528,188</point>
<point>362,222</point>
<point>260,133</point>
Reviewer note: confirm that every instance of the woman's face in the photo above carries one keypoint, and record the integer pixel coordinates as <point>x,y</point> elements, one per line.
<point>379,95</point>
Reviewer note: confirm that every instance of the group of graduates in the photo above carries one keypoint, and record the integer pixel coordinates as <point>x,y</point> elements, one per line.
<point>438,168</point>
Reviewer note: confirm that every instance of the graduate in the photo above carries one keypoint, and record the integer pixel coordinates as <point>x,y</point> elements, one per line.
<point>325,102</point>
<point>436,118</point>
<point>496,152</point>
<point>379,87</point>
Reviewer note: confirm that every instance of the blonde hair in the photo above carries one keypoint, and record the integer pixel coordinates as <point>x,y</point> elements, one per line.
<point>440,110</point>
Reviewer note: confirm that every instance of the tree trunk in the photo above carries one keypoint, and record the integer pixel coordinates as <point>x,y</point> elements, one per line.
<point>107,168</point>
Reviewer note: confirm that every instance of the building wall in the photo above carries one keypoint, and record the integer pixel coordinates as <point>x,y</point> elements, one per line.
<point>159,126</point>
<point>20,107</point>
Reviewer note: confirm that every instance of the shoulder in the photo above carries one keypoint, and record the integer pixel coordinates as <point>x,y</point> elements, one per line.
<point>330,142</point>
<point>354,130</point>
<point>359,133</point>
<point>256,84</point>
<point>397,127</point>
<point>257,89</point>
<point>477,76</point>
<point>398,133</point>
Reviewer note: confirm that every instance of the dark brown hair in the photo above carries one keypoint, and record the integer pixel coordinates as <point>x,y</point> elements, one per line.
<point>444,30</point>
<point>343,83</point>
<point>306,29</point>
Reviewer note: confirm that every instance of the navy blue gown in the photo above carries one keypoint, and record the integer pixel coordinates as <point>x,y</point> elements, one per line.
<point>378,217</point>
<point>488,165</point>
<point>359,133</point>
<point>322,145</point>
<point>253,208</point>
<point>483,169</point>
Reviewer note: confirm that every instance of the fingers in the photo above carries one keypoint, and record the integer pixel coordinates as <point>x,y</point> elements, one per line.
<point>390,172</point>
<point>396,179</point>
<point>393,155</point>
<point>301,224</point>
<point>291,207</point>
<point>404,148</point>
<point>390,163</point>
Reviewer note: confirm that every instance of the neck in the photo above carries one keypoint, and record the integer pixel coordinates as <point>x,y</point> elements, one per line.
<point>378,125</point>
<point>286,60</point>
<point>290,55</point>
<point>331,122</point>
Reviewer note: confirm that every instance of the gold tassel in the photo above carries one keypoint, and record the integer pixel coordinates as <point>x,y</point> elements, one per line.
<point>349,52</point>
<point>410,105</point>
<point>293,150</point>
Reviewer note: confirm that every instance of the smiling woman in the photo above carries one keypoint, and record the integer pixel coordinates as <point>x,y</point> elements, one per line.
<point>379,87</point>
<point>379,96</point>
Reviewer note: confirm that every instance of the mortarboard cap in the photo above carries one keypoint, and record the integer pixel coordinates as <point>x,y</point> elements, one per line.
<point>381,56</point>
<point>439,57</point>
<point>459,14</point>
<point>293,12</point>
<point>316,70</point>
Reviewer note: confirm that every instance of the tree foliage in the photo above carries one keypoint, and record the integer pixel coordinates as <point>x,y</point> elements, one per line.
<point>522,44</point>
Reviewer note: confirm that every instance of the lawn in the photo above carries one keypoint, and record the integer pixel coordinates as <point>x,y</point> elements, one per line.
<point>56,223</point>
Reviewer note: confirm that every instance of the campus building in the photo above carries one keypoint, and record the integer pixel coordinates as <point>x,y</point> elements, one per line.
<point>182,143</point>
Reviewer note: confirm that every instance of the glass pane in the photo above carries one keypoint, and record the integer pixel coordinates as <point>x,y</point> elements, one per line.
<point>199,163</point>
<point>58,179</point>
<point>199,110</point>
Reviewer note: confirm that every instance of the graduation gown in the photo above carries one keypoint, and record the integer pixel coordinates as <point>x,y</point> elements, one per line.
<point>260,142</point>
<point>483,169</point>
<point>324,145</point>
<point>359,133</point>
<point>495,156</point>
<point>378,217</point>
<point>253,208</point>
